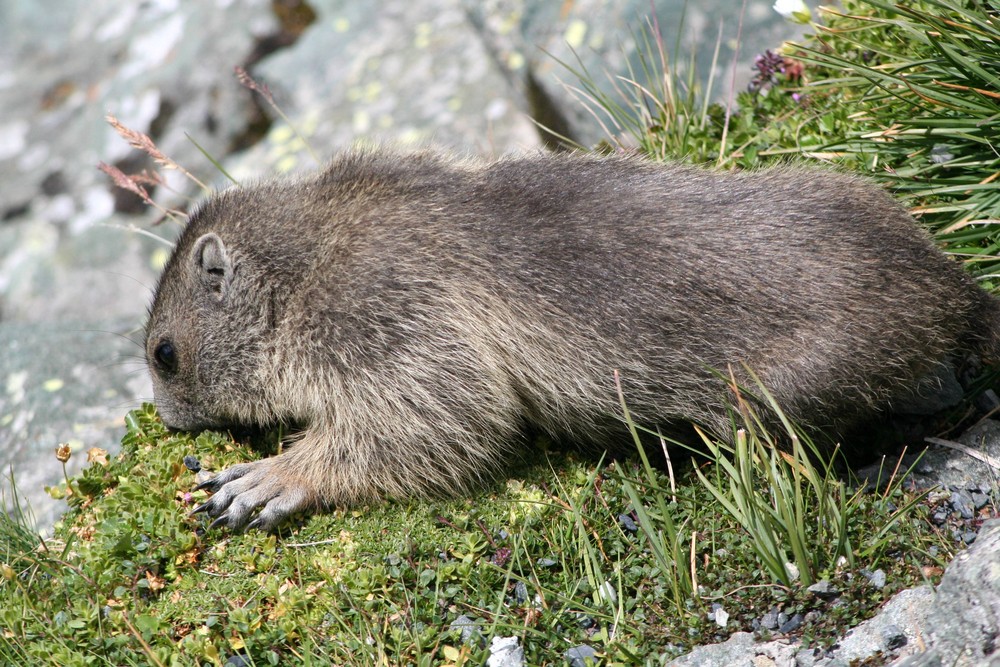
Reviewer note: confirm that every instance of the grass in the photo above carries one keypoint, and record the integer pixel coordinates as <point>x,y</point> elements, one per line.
<point>567,554</point>
<point>923,86</point>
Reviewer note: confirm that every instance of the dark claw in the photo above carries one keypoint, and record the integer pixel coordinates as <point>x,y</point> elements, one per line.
<point>209,485</point>
<point>204,507</point>
<point>220,522</point>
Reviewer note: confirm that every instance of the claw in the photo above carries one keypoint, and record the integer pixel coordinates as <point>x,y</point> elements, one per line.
<point>204,507</point>
<point>220,522</point>
<point>208,485</point>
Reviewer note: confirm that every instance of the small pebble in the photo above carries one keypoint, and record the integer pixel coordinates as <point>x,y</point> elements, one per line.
<point>520,592</point>
<point>962,504</point>
<point>502,534</point>
<point>792,624</point>
<point>237,661</point>
<point>979,500</point>
<point>628,523</point>
<point>192,463</point>
<point>969,537</point>
<point>469,629</point>
<point>581,656</point>
<point>876,578</point>
<point>939,517</point>
<point>770,620</point>
<point>822,588</point>
<point>505,652</point>
<point>546,562</point>
<point>893,637</point>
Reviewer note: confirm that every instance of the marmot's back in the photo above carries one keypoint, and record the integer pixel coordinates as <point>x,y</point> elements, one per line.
<point>415,313</point>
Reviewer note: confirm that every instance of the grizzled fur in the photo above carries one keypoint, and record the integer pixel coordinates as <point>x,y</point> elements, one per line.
<point>416,313</point>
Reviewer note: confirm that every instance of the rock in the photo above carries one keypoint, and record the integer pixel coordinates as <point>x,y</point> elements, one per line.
<point>956,469</point>
<point>469,630</point>
<point>581,656</point>
<point>876,578</point>
<point>962,625</point>
<point>739,651</point>
<point>823,589</point>
<point>520,592</point>
<point>74,282</point>
<point>792,624</point>
<point>962,504</point>
<point>895,631</point>
<point>528,40</point>
<point>628,523</point>
<point>69,383</point>
<point>893,637</point>
<point>505,652</point>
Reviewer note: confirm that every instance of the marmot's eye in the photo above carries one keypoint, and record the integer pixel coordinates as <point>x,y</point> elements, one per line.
<point>166,358</point>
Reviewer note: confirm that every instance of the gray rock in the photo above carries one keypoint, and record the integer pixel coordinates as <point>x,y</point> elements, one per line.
<point>505,652</point>
<point>66,383</point>
<point>739,651</point>
<point>520,592</point>
<point>962,504</point>
<point>823,588</point>
<point>958,470</point>
<point>979,500</point>
<point>469,630</point>
<point>628,523</point>
<point>897,630</point>
<point>581,656</point>
<point>893,637</point>
<point>769,620</point>
<point>792,624</point>
<point>962,625</point>
<point>73,287</point>
<point>528,40</point>
<point>876,578</point>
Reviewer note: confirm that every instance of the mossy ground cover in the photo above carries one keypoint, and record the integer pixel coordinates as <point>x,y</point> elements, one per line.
<point>556,557</point>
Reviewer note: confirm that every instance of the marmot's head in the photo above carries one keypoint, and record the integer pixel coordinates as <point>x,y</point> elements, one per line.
<point>212,318</point>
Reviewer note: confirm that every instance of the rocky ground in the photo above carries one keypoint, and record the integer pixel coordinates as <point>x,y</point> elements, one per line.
<point>75,278</point>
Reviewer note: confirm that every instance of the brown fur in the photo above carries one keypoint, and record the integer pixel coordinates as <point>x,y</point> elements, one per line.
<point>415,313</point>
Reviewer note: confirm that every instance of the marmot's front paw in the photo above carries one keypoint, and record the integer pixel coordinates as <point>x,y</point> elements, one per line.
<point>240,490</point>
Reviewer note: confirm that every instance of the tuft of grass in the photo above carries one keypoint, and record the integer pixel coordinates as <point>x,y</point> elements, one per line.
<point>923,84</point>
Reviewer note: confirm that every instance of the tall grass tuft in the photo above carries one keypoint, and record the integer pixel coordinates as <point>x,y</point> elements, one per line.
<point>924,81</point>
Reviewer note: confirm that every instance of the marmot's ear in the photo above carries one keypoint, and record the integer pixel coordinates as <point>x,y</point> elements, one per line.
<point>213,265</point>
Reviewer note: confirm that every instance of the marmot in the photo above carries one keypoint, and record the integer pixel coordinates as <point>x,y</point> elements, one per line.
<point>416,313</point>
